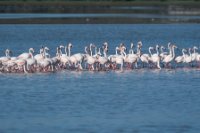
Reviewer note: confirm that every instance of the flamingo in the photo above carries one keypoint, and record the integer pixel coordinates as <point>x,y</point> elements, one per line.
<point>188,58</point>
<point>155,58</point>
<point>120,58</point>
<point>64,59</point>
<point>131,57</point>
<point>7,61</point>
<point>6,57</point>
<point>72,59</point>
<point>194,55</point>
<point>144,57</point>
<point>21,64</point>
<point>89,58</point>
<point>26,55</point>
<point>31,62</point>
<point>180,59</point>
<point>169,58</point>
<point>90,61</point>
<point>102,60</point>
<point>163,54</point>
<point>40,56</point>
<point>45,62</point>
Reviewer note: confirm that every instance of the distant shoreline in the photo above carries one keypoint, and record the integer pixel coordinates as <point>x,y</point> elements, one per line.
<point>96,21</point>
<point>92,7</point>
<point>174,8</point>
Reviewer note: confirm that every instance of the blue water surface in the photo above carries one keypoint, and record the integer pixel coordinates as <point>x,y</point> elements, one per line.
<point>136,101</point>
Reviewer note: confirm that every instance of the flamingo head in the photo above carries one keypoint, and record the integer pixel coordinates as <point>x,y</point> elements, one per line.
<point>69,45</point>
<point>131,45</point>
<point>195,48</point>
<point>117,48</point>
<point>92,45</point>
<point>157,46</point>
<point>31,50</point>
<point>7,51</point>
<point>162,47</point>
<point>105,49</point>
<point>61,46</point>
<point>99,52</point>
<point>174,46</point>
<point>105,44</point>
<point>184,50</point>
<point>140,44</point>
<point>10,52</point>
<point>169,44</point>
<point>86,50</point>
<point>46,48</point>
<point>151,48</point>
<point>123,48</point>
<point>121,44</point>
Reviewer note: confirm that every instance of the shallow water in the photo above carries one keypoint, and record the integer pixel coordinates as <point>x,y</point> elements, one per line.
<point>138,101</point>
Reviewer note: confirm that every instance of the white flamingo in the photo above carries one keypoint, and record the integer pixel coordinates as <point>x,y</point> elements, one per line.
<point>144,57</point>
<point>194,54</point>
<point>89,58</point>
<point>45,63</point>
<point>162,54</point>
<point>155,58</point>
<point>169,58</point>
<point>31,62</point>
<point>180,59</point>
<point>102,59</point>
<point>120,58</point>
<point>131,57</point>
<point>6,57</point>
<point>26,55</point>
<point>188,58</point>
<point>64,58</point>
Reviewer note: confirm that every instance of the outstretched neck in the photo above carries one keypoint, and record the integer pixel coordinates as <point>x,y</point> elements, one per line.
<point>69,51</point>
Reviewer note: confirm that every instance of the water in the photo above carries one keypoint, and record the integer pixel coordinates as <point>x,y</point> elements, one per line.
<point>138,101</point>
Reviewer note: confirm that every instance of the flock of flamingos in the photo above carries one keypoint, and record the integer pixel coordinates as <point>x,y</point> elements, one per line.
<point>97,59</point>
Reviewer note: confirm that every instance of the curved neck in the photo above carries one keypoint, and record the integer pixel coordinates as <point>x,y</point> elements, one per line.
<point>173,52</point>
<point>138,51</point>
<point>66,50</point>
<point>99,51</point>
<point>91,51</point>
<point>95,50</point>
<point>124,53</point>
<point>170,50</point>
<point>161,49</point>
<point>41,51</point>
<point>86,50</point>
<point>104,53</point>
<point>116,51</point>
<point>31,55</point>
<point>7,53</point>
<point>44,53</point>
<point>150,51</point>
<point>194,51</point>
<point>157,51</point>
<point>190,52</point>
<point>183,52</point>
<point>60,51</point>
